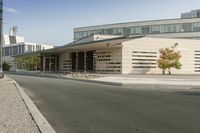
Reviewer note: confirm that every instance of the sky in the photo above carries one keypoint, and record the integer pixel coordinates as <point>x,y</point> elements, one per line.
<point>52,21</point>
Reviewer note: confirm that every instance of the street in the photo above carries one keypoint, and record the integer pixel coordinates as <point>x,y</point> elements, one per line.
<point>82,107</point>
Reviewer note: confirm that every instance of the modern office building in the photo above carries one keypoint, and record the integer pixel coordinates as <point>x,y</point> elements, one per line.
<point>188,26</point>
<point>121,55</point>
<point>127,48</point>
<point>23,47</point>
<point>192,14</point>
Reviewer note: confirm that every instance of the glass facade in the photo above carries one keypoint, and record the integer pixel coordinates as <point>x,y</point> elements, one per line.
<point>13,50</point>
<point>155,29</point>
<point>196,26</point>
<point>142,30</point>
<point>118,32</point>
<point>135,30</point>
<point>173,28</point>
<point>192,14</point>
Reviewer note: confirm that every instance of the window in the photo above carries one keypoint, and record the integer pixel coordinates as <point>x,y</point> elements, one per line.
<point>171,28</point>
<point>127,31</point>
<point>145,30</point>
<point>23,49</point>
<point>196,26</point>
<point>20,49</point>
<point>38,47</point>
<point>102,31</point>
<point>155,29</point>
<point>15,50</point>
<point>109,32</point>
<point>76,35</point>
<point>29,48</point>
<point>7,51</point>
<point>11,51</point>
<point>135,30</point>
<point>186,27</point>
<point>118,32</point>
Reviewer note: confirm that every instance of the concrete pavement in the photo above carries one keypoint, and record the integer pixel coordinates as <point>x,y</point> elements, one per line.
<point>14,116</point>
<point>83,107</point>
<point>153,79</point>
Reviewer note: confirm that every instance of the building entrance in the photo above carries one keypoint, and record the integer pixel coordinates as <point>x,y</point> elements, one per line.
<point>82,61</point>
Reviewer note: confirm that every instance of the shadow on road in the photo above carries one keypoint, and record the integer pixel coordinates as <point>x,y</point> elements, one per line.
<point>189,93</point>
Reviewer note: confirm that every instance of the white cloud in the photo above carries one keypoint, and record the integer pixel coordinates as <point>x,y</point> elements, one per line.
<point>11,10</point>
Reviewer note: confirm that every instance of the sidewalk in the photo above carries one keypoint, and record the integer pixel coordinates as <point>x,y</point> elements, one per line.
<point>14,115</point>
<point>153,79</point>
<point>179,81</point>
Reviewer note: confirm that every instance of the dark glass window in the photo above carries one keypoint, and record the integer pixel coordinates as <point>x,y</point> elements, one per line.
<point>15,50</point>
<point>7,51</point>
<point>196,26</point>
<point>186,27</point>
<point>155,29</point>
<point>127,31</point>
<point>145,30</point>
<point>109,31</point>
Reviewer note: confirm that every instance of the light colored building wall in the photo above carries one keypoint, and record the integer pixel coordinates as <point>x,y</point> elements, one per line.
<point>64,61</point>
<point>151,46</point>
<point>19,39</point>
<point>6,40</point>
<point>44,46</point>
<point>109,60</point>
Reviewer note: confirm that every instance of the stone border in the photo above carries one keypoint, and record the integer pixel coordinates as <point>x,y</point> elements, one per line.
<point>82,80</point>
<point>39,119</point>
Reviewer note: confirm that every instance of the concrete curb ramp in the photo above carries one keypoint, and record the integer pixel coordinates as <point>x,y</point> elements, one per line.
<point>40,120</point>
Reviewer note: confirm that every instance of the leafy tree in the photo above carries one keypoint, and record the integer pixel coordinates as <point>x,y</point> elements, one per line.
<point>169,58</point>
<point>29,62</point>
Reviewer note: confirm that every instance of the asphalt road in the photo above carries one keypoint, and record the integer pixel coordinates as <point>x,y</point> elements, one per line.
<point>80,107</point>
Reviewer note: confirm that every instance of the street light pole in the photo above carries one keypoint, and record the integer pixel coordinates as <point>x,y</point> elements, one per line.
<point>1,38</point>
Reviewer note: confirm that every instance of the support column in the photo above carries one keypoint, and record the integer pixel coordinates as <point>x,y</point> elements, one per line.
<point>85,60</point>
<point>44,63</point>
<point>41,63</point>
<point>50,64</point>
<point>76,61</point>
<point>56,64</point>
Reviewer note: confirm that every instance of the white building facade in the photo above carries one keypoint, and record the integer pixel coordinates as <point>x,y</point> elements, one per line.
<point>121,55</point>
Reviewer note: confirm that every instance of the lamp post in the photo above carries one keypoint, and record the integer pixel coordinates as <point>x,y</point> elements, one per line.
<point>1,39</point>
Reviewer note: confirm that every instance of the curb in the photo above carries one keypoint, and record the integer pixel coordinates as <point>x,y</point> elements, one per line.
<point>39,119</point>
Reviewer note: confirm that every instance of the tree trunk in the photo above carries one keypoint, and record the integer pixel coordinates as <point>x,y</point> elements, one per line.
<point>169,71</point>
<point>163,71</point>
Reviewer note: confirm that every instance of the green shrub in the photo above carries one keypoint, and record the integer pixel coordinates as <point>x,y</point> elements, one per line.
<point>6,66</point>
